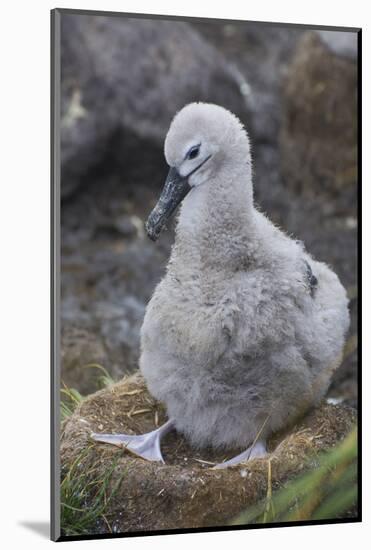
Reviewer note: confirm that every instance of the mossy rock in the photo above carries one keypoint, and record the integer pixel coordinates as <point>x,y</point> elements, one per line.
<point>318,141</point>
<point>185,492</point>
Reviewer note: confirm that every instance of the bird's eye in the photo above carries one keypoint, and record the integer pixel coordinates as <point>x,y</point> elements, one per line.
<point>193,152</point>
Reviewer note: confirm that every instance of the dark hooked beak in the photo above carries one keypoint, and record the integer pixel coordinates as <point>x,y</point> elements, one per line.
<point>175,189</point>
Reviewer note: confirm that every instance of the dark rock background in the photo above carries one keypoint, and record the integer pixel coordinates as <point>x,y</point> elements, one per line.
<point>122,82</point>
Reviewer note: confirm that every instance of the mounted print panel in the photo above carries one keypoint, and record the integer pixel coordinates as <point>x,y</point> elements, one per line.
<point>205,288</point>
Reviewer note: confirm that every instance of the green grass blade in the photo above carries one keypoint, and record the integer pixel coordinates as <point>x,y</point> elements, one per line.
<point>326,491</point>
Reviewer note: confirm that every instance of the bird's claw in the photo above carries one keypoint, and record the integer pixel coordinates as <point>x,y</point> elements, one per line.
<point>146,446</point>
<point>257,450</point>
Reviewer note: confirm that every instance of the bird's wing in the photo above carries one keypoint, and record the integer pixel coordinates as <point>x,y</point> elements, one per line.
<point>311,280</point>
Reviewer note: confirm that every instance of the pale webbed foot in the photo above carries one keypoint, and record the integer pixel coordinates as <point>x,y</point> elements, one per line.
<point>257,450</point>
<point>146,445</point>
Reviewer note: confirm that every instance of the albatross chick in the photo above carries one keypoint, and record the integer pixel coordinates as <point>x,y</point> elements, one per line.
<point>244,331</point>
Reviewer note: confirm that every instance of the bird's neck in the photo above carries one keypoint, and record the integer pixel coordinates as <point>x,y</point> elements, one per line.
<point>216,230</point>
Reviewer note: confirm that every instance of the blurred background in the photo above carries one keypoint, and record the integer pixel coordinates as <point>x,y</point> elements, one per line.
<point>122,81</point>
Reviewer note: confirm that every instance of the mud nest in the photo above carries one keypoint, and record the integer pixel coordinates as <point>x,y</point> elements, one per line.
<point>185,492</point>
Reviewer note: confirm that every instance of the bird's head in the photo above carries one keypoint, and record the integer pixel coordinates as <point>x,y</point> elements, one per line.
<point>202,139</point>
